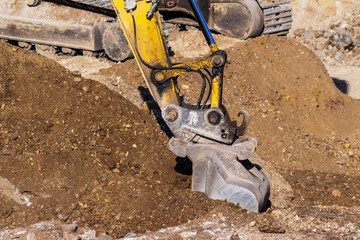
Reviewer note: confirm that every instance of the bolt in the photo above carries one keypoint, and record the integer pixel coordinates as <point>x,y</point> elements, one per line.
<point>224,135</point>
<point>214,118</point>
<point>159,76</point>
<point>217,61</point>
<point>171,114</point>
<point>170,3</point>
<point>249,147</point>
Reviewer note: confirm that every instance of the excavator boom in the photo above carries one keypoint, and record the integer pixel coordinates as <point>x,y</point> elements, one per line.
<point>203,132</point>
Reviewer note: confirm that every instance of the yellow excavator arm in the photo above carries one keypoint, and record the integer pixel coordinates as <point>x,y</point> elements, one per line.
<point>204,132</point>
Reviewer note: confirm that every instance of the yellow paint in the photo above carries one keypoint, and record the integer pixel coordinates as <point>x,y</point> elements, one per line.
<point>149,33</point>
<point>214,48</point>
<point>150,44</point>
<point>215,101</point>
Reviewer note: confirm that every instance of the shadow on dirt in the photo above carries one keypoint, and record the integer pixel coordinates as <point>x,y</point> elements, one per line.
<point>183,166</point>
<point>155,109</point>
<point>342,85</point>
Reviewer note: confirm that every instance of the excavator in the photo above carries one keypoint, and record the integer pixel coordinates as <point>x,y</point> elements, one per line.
<point>90,27</point>
<point>203,131</point>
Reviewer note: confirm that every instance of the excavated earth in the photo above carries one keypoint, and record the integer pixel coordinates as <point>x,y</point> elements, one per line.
<point>76,154</point>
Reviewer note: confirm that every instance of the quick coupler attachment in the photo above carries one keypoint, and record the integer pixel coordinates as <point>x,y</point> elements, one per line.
<point>224,172</point>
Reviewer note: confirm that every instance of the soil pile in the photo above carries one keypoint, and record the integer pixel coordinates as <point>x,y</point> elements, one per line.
<point>92,157</point>
<point>77,151</point>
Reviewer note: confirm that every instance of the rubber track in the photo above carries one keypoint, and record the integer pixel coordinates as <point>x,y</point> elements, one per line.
<point>277,16</point>
<point>277,13</point>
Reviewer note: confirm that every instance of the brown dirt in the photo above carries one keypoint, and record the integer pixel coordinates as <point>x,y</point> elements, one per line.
<point>81,152</point>
<point>94,158</point>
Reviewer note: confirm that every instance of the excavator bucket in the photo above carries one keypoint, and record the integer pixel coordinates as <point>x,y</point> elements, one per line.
<point>224,172</point>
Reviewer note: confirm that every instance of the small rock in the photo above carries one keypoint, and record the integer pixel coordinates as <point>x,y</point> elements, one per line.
<point>252,224</point>
<point>299,32</point>
<point>346,145</point>
<point>77,79</point>
<point>185,87</point>
<point>70,228</point>
<point>8,152</point>
<point>108,151</point>
<point>115,170</point>
<point>264,110</point>
<point>351,153</point>
<point>85,88</point>
<point>309,33</point>
<point>130,235</point>
<point>339,56</point>
<point>62,217</point>
<point>235,236</point>
<point>341,39</point>
<point>319,33</point>
<point>118,217</point>
<point>357,41</point>
<point>76,74</point>
<point>187,234</point>
<point>336,193</point>
<point>277,213</point>
<point>341,162</point>
<point>220,214</point>
<point>31,236</point>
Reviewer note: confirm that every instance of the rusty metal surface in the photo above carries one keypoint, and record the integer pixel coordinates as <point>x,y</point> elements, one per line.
<point>51,32</point>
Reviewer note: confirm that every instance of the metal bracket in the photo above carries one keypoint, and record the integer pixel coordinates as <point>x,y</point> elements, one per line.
<point>208,124</point>
<point>241,130</point>
<point>130,5</point>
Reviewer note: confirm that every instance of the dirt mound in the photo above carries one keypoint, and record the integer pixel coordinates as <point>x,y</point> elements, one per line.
<point>77,151</point>
<point>92,157</point>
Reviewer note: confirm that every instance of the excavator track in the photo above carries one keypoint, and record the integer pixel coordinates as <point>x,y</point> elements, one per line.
<point>105,35</point>
<point>277,13</point>
<point>277,17</point>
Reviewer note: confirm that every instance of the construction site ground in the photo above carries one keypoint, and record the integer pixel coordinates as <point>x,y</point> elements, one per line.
<point>83,153</point>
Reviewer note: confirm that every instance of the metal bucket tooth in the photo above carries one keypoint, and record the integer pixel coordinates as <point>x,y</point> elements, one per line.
<point>224,172</point>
